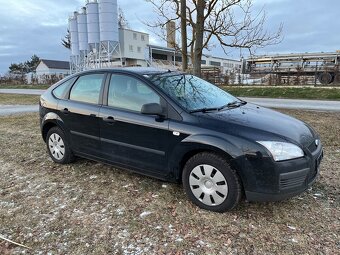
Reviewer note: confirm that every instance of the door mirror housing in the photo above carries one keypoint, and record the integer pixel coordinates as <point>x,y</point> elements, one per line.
<point>152,109</point>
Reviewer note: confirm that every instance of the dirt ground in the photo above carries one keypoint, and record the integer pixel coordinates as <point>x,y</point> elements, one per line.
<point>91,208</point>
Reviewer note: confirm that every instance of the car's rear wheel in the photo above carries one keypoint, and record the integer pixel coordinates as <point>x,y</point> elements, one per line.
<point>58,147</point>
<point>211,183</point>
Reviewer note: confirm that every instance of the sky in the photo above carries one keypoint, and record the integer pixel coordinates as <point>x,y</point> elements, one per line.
<point>30,27</point>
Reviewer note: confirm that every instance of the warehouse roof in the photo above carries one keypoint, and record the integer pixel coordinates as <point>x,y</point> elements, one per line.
<point>56,64</point>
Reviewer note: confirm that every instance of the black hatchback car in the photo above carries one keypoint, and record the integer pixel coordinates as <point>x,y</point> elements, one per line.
<point>178,127</point>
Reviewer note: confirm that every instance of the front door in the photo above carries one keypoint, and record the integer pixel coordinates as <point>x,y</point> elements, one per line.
<point>128,137</point>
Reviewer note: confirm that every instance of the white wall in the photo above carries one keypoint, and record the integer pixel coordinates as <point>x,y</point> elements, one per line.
<point>42,69</point>
<point>227,65</point>
<point>132,43</point>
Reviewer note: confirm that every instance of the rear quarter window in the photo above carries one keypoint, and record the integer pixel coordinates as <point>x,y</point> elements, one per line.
<point>60,91</point>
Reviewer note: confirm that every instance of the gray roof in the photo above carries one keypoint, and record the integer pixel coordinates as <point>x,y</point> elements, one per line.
<point>56,64</point>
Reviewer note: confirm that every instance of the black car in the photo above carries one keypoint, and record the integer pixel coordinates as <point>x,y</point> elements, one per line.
<point>178,127</point>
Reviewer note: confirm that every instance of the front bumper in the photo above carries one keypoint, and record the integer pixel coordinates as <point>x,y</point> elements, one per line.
<point>289,178</point>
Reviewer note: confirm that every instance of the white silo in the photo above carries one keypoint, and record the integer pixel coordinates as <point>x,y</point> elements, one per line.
<point>93,33</point>
<point>93,23</point>
<point>108,20</point>
<point>83,39</point>
<point>73,28</point>
<point>109,36</point>
<point>82,30</point>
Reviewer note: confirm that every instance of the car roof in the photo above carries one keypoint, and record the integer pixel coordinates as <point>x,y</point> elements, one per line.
<point>137,70</point>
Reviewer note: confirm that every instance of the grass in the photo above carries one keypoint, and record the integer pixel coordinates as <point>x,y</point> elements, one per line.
<point>91,208</point>
<point>12,99</point>
<point>281,92</point>
<point>24,86</point>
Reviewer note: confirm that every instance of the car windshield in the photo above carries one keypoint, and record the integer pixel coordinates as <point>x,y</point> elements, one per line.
<point>193,93</point>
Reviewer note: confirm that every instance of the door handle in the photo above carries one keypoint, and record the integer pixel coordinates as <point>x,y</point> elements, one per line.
<point>109,120</point>
<point>65,111</point>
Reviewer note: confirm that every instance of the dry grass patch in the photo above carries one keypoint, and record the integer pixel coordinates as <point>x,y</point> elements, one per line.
<point>11,99</point>
<point>91,208</point>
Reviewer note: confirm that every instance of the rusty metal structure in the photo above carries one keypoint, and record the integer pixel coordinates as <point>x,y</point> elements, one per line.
<point>321,67</point>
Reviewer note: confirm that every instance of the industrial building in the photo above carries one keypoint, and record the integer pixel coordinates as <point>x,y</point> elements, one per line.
<point>320,67</point>
<point>97,41</point>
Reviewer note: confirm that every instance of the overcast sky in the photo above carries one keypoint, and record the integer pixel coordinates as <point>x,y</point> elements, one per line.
<point>30,27</point>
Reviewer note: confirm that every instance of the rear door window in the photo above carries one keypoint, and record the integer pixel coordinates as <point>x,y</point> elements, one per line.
<point>87,88</point>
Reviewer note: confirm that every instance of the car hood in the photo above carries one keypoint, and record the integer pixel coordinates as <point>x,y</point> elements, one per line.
<point>259,123</point>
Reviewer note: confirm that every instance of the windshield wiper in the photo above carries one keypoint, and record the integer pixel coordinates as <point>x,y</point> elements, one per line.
<point>206,109</point>
<point>233,104</point>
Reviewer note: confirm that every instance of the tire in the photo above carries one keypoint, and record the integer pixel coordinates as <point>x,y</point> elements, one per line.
<point>210,174</point>
<point>58,147</point>
<point>325,78</point>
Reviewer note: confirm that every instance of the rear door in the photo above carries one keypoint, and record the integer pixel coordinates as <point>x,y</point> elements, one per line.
<point>129,137</point>
<point>80,113</point>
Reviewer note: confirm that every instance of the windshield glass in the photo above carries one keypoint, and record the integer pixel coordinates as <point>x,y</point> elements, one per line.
<point>191,92</point>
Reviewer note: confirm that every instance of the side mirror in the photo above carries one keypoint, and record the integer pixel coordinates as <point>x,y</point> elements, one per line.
<point>152,109</point>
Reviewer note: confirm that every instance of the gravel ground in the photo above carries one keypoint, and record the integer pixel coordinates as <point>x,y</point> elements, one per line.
<point>91,208</point>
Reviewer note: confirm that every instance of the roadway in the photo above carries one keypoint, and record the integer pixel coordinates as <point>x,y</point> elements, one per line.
<point>316,105</point>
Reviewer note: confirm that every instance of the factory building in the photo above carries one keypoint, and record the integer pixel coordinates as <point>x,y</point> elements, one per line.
<point>97,41</point>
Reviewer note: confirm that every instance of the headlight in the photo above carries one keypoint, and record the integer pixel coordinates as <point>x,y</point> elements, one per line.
<point>282,151</point>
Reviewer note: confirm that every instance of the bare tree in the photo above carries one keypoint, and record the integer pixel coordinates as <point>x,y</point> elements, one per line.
<point>227,23</point>
<point>184,37</point>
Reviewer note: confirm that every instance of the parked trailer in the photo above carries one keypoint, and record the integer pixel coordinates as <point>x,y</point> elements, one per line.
<point>322,66</point>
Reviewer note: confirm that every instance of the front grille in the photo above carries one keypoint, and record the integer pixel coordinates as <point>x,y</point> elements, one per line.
<point>293,179</point>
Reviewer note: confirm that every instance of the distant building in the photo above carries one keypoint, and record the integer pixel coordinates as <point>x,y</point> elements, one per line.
<point>53,67</point>
<point>50,70</point>
<point>226,65</point>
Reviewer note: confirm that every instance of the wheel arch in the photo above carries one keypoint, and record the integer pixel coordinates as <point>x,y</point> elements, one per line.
<point>194,145</point>
<point>49,121</point>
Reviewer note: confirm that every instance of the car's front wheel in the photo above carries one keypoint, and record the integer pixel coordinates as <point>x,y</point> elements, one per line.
<point>58,147</point>
<point>211,183</point>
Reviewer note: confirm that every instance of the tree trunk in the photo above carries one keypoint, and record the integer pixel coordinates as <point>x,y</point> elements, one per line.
<point>184,35</point>
<point>199,38</point>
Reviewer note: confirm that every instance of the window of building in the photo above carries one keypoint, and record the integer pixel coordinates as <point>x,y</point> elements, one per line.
<point>215,63</point>
<point>129,93</point>
<point>131,48</point>
<point>135,36</point>
<point>143,37</point>
<point>87,88</point>
<point>203,62</point>
<point>139,49</point>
